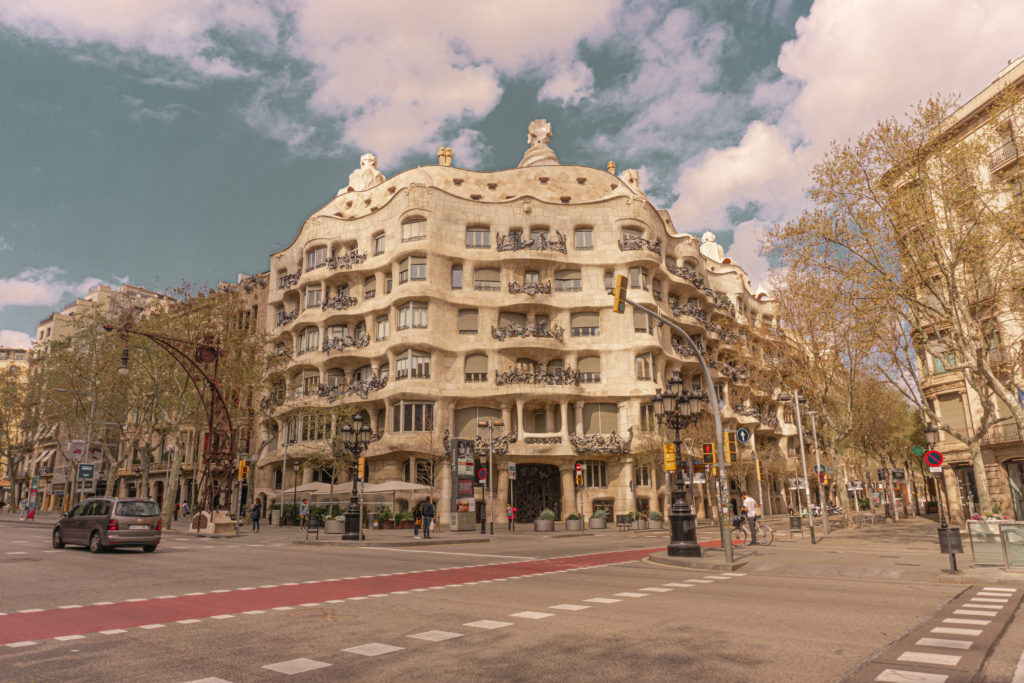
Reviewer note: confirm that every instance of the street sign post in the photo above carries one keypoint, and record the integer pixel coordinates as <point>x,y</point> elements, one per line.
<point>934,461</point>
<point>86,471</point>
<point>511,471</point>
<point>742,435</point>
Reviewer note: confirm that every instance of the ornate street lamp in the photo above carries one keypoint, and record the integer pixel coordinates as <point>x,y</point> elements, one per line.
<point>675,409</point>
<point>356,438</point>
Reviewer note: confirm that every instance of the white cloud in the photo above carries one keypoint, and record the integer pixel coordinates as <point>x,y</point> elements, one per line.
<point>569,84</point>
<point>15,339</point>
<point>468,148</point>
<point>850,65</point>
<point>174,29</point>
<point>41,287</point>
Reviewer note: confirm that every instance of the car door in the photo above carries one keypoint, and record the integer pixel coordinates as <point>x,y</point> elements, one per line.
<point>72,529</point>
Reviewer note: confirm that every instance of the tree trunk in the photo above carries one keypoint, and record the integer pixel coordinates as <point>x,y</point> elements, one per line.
<point>980,480</point>
<point>171,490</point>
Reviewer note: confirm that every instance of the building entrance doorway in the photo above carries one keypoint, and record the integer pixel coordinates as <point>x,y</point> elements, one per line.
<point>537,487</point>
<point>1015,471</point>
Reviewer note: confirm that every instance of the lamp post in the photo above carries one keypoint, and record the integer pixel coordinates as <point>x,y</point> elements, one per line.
<point>356,437</point>
<point>674,409</point>
<point>490,424</point>
<point>797,399</point>
<point>817,468</point>
<point>295,485</point>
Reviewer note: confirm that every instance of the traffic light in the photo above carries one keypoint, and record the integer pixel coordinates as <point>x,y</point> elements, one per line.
<point>243,470</point>
<point>730,446</point>
<point>709,453</point>
<point>362,468</point>
<point>619,305</point>
<point>579,479</point>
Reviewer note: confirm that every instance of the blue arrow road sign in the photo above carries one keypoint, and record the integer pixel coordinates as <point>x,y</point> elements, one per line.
<point>742,435</point>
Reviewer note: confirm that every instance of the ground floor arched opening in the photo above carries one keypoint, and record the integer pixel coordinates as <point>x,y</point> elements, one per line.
<point>537,487</point>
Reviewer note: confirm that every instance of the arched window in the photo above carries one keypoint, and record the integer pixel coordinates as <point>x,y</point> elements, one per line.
<point>414,229</point>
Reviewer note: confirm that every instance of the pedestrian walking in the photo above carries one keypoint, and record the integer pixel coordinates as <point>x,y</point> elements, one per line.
<point>303,514</point>
<point>510,512</point>
<point>257,509</point>
<point>750,508</point>
<point>428,516</point>
<point>23,506</point>
<point>417,521</point>
<point>184,509</point>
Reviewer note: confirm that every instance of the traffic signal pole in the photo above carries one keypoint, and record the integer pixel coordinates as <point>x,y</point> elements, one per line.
<point>716,410</point>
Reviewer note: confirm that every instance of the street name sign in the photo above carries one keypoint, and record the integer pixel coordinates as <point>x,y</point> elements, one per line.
<point>86,471</point>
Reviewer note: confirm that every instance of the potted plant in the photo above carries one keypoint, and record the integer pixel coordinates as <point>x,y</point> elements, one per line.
<point>404,519</point>
<point>385,518</point>
<point>655,520</point>
<point>333,525</point>
<point>573,523</point>
<point>545,520</point>
<point>639,520</point>
<point>599,520</point>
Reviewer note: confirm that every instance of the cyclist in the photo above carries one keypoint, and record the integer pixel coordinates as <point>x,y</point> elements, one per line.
<point>750,508</point>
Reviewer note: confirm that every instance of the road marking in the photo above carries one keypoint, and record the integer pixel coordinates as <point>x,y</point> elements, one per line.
<point>719,578</point>
<point>399,592</point>
<point>569,608</point>
<point>23,643</point>
<point>113,631</point>
<point>16,552</point>
<point>64,638</point>
<point>223,616</point>
<point>28,611</point>
<point>898,676</point>
<point>979,622</point>
<point>448,552</point>
<point>488,624</point>
<point>283,609</point>
<point>654,589</point>
<point>976,613</point>
<point>247,588</point>
<point>272,585</point>
<point>188,621</point>
<point>998,588</point>
<point>152,626</point>
<point>958,631</point>
<point>999,600</point>
<point>373,649</point>
<point>296,666</point>
<point>699,581</point>
<point>335,602</point>
<point>209,679</point>
<point>942,642</point>
<point>602,601</point>
<point>164,597</point>
<point>222,590</point>
<point>136,599</point>
<point>198,593</point>
<point>680,585</point>
<point>532,615</point>
<point>633,595</point>
<point>732,574</point>
<point>69,607</point>
<point>929,658</point>
<point>309,604</point>
<point>436,636</point>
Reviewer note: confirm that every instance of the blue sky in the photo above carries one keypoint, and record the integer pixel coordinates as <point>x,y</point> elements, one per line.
<point>151,142</point>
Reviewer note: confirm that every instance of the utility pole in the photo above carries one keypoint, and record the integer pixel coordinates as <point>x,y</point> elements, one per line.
<point>823,504</point>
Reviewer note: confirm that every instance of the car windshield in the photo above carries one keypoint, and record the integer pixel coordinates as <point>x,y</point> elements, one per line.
<point>137,508</point>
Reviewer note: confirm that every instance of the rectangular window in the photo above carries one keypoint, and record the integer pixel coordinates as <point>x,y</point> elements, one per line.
<point>647,419</point>
<point>383,323</point>
<point>412,314</point>
<point>600,418</point>
<point>370,287</point>
<point>457,277</point>
<point>638,278</point>
<point>378,244</point>
<point>586,324</point>
<point>645,367</point>
<point>407,416</point>
<point>596,474</point>
<point>313,296</point>
<point>387,283</point>
<point>531,277</point>
<point>478,238</point>
<point>414,230</point>
<point>584,238</point>
<point>316,258</point>
<point>468,321</point>
<point>568,281</point>
<point>656,289</point>
<point>413,268</point>
<point>951,410</point>
<point>643,475</point>
<point>487,279</point>
<point>642,322</point>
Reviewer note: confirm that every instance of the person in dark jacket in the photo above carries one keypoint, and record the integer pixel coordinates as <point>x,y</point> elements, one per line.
<point>428,516</point>
<point>257,509</point>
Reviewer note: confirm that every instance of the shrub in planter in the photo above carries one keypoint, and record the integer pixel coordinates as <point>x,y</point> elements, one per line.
<point>545,521</point>
<point>599,520</point>
<point>655,516</point>
<point>572,516</point>
<point>573,523</point>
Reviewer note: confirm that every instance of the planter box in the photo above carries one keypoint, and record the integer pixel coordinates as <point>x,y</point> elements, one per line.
<point>598,523</point>
<point>543,525</point>
<point>406,524</point>
<point>640,524</point>
<point>656,523</point>
<point>385,524</point>
<point>574,525</point>
<point>334,526</point>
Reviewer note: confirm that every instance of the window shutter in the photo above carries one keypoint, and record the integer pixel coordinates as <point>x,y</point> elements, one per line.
<point>586,319</point>
<point>476,363</point>
<point>590,364</point>
<point>468,320</point>
<point>511,318</point>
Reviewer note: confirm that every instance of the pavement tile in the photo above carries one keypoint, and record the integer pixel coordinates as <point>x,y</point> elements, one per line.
<point>488,624</point>
<point>296,666</point>
<point>532,615</point>
<point>436,636</point>
<point>373,649</point>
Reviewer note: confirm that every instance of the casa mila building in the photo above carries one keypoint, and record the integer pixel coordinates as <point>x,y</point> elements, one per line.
<point>441,298</point>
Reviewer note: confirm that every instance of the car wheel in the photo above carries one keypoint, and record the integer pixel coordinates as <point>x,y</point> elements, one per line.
<point>148,548</point>
<point>58,542</point>
<point>95,545</point>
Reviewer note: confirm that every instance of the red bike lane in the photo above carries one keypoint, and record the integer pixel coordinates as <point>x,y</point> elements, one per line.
<point>53,623</point>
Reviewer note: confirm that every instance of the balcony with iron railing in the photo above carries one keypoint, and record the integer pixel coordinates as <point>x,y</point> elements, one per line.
<point>1003,156</point>
<point>1000,434</point>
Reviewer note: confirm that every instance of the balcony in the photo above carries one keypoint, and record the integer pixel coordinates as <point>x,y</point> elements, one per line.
<point>1003,156</point>
<point>1001,434</point>
<point>340,302</point>
<point>341,343</point>
<point>529,288</point>
<point>514,242</point>
<point>635,243</point>
<point>288,280</point>
<point>601,443</point>
<point>513,330</point>
<point>345,261</point>
<point>557,376</point>
<point>283,317</point>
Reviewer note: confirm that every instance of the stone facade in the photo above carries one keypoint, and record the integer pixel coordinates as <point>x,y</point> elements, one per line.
<point>442,296</point>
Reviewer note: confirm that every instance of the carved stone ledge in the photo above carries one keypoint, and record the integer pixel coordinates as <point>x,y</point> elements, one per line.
<point>542,439</point>
<point>532,330</point>
<point>514,242</point>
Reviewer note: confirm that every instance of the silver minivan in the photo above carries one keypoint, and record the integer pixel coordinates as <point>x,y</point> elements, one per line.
<point>101,523</point>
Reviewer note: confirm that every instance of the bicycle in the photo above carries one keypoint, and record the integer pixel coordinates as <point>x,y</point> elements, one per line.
<point>739,534</point>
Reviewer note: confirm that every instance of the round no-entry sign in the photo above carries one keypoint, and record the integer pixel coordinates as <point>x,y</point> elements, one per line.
<point>933,458</point>
<point>482,474</point>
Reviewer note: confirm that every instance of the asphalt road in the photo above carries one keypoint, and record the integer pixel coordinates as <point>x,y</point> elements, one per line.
<point>524,607</point>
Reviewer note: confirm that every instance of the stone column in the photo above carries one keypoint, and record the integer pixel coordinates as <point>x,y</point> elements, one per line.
<point>567,474</point>
<point>564,431</point>
<point>519,418</point>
